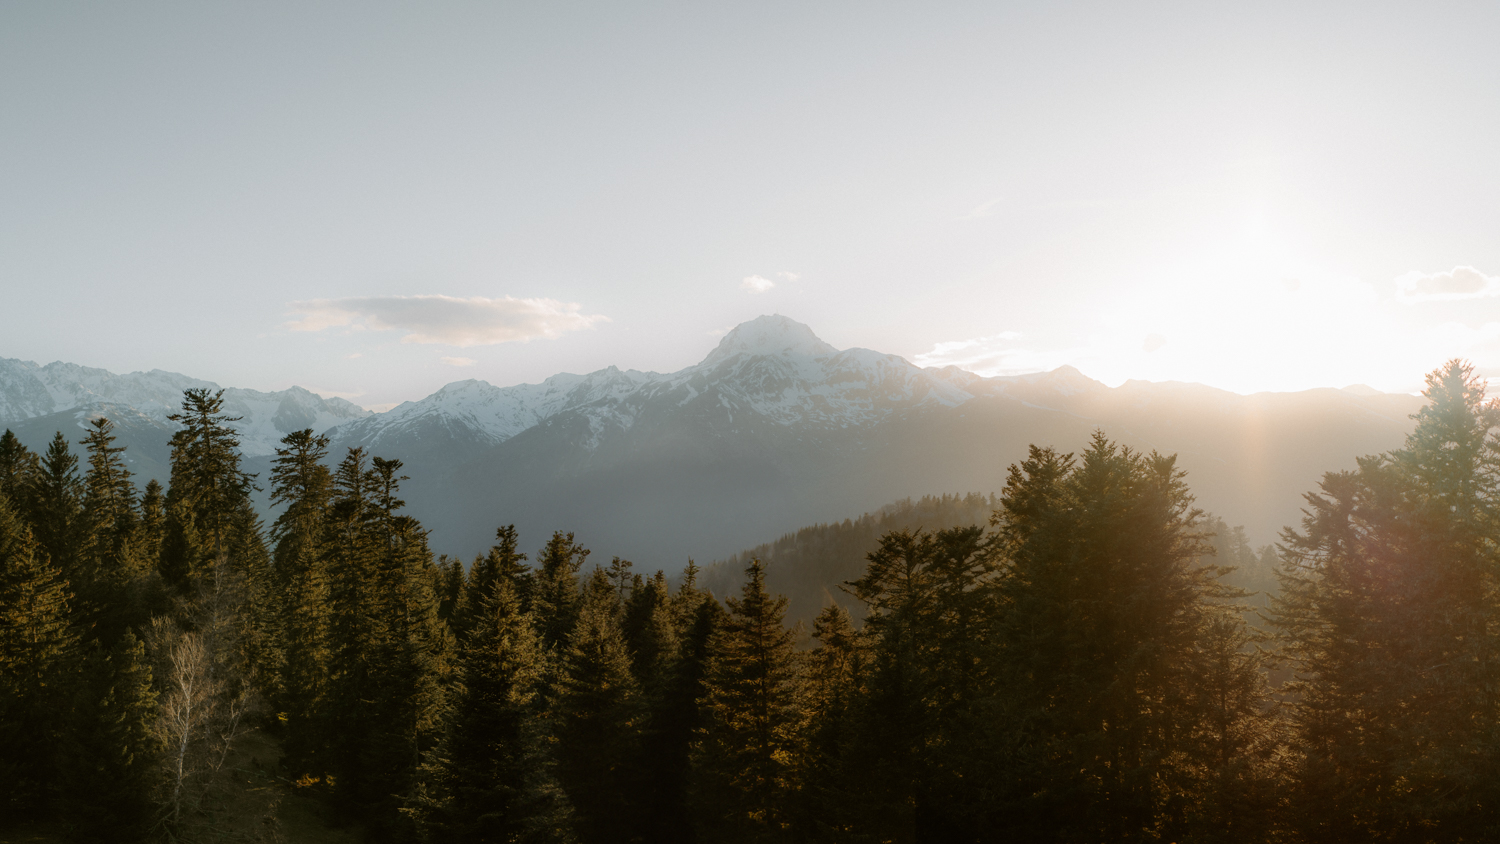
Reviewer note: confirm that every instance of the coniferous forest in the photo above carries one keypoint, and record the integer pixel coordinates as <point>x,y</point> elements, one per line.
<point>1081,668</point>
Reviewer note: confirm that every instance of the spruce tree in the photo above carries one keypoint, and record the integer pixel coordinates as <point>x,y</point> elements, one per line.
<point>208,497</point>
<point>114,569</point>
<point>678,716</point>
<point>1388,613</point>
<point>57,507</point>
<point>555,597</point>
<point>38,651</point>
<point>745,762</point>
<point>301,483</point>
<point>153,523</point>
<point>503,562</point>
<point>598,711</point>
<point>19,468</point>
<point>931,607</point>
<point>1110,625</point>
<point>110,753</point>
<point>492,777</point>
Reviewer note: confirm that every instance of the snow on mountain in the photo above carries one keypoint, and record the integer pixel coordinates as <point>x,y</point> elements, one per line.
<point>29,391</point>
<point>771,368</point>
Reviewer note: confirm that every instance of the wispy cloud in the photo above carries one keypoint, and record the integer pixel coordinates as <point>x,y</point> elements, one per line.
<point>1457,283</point>
<point>475,321</point>
<point>788,275</point>
<point>459,361</point>
<point>996,354</point>
<point>984,209</point>
<point>757,284</point>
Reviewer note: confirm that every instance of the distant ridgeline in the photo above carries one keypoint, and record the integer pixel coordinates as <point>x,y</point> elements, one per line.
<point>812,566</point>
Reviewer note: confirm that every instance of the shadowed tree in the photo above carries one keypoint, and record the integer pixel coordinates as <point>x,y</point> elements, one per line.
<point>745,762</point>
<point>1388,610</point>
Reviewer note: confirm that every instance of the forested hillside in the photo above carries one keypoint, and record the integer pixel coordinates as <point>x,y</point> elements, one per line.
<point>813,567</point>
<point>1068,661</point>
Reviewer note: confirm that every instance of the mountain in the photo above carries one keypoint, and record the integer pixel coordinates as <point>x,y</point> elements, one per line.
<point>773,430</point>
<point>37,401</point>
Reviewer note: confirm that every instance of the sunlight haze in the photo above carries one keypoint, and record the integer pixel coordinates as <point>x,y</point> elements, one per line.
<point>373,200</point>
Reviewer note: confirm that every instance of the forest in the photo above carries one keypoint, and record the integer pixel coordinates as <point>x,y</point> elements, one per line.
<point>1082,664</point>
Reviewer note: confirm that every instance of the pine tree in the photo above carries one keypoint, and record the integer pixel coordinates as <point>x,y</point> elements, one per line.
<point>113,567</point>
<point>353,631</point>
<point>931,605</point>
<point>110,753</point>
<point>38,650</point>
<point>491,779</point>
<point>301,483</point>
<point>1110,624</point>
<point>1388,611</point>
<point>57,504</point>
<point>153,523</point>
<point>678,716</point>
<point>745,760</point>
<point>555,597</point>
<point>831,807</point>
<point>19,469</point>
<point>598,712</point>
<point>503,562</point>
<point>208,497</point>
<point>390,649</point>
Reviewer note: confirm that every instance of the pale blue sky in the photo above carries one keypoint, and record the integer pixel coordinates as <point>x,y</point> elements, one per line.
<point>1208,192</point>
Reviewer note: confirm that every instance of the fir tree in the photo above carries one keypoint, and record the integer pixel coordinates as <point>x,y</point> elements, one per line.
<point>745,760</point>
<point>57,507</point>
<point>598,711</point>
<point>209,494</point>
<point>503,563</point>
<point>113,568</point>
<point>491,779</point>
<point>153,523</point>
<point>931,606</point>
<point>19,469</point>
<point>1109,626</point>
<point>38,649</point>
<point>1388,611</point>
<point>110,753</point>
<point>301,483</point>
<point>555,597</point>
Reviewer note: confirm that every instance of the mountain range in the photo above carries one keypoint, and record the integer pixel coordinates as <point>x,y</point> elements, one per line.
<point>774,430</point>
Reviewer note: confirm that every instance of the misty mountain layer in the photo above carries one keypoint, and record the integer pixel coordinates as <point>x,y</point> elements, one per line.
<point>774,430</point>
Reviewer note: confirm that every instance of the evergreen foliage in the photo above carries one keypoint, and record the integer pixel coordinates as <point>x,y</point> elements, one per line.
<point>38,651</point>
<point>746,757</point>
<point>491,778</point>
<point>1389,615</point>
<point>1082,669</point>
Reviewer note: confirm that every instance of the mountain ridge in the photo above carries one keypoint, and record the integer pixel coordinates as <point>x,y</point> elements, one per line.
<point>772,430</point>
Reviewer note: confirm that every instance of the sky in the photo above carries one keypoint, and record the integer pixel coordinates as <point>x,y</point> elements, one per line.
<point>371,200</point>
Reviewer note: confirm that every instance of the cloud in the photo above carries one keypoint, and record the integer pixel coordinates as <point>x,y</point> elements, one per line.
<point>757,284</point>
<point>720,332</point>
<point>1457,283</point>
<point>476,321</point>
<point>1153,342</point>
<point>459,361</point>
<point>996,354</point>
<point>982,210</point>
<point>788,275</point>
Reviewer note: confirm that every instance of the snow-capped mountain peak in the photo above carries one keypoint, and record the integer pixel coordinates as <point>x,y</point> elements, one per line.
<point>772,334</point>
